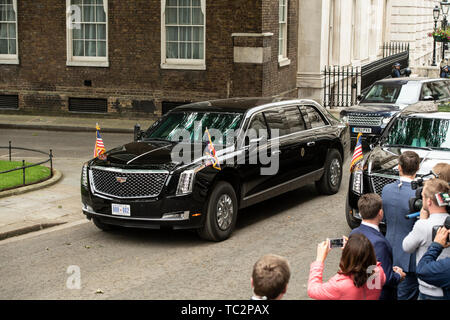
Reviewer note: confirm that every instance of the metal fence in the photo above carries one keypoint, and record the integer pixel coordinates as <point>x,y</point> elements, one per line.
<point>343,84</point>
<point>23,167</point>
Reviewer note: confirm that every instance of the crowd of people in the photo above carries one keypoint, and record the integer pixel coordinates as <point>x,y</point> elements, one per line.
<point>406,263</point>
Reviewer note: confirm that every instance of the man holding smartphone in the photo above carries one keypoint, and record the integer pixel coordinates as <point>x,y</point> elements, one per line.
<point>371,209</point>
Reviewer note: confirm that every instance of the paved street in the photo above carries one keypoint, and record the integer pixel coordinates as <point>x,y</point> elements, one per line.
<point>163,264</point>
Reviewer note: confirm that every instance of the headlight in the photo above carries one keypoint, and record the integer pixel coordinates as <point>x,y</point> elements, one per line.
<point>345,119</point>
<point>84,175</point>
<point>186,181</point>
<point>386,120</point>
<point>357,181</point>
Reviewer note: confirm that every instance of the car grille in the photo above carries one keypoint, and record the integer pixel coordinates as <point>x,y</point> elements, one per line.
<point>127,183</point>
<point>379,181</point>
<point>356,120</point>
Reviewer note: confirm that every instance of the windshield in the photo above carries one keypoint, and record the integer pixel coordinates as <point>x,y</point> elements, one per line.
<point>420,133</point>
<point>194,124</point>
<point>383,93</point>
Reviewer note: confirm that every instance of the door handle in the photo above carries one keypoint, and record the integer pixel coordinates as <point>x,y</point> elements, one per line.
<point>311,144</point>
<point>276,152</point>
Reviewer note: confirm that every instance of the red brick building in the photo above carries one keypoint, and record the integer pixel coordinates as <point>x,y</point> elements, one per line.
<point>141,57</point>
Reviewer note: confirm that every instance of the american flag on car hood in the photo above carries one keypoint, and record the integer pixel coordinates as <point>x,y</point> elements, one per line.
<point>357,154</point>
<point>99,146</point>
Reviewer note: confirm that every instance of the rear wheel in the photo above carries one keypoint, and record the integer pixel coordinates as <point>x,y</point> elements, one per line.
<point>221,213</point>
<point>331,180</point>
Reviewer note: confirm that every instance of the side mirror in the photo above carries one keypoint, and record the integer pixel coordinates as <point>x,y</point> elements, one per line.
<point>372,141</point>
<point>428,98</point>
<point>137,132</point>
<point>360,97</point>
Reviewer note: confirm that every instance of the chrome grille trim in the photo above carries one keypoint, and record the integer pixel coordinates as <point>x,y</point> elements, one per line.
<point>357,120</point>
<point>378,181</point>
<point>140,183</point>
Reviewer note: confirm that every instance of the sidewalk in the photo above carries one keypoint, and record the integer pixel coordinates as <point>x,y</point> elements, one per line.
<point>72,123</point>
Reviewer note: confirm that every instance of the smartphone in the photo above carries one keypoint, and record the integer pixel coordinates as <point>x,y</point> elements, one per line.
<point>337,243</point>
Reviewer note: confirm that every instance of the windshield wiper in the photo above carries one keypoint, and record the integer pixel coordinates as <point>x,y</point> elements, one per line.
<point>159,139</point>
<point>407,146</point>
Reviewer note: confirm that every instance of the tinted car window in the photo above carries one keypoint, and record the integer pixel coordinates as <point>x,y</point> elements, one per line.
<point>440,89</point>
<point>258,124</point>
<point>294,119</point>
<point>194,124</point>
<point>274,118</point>
<point>312,117</point>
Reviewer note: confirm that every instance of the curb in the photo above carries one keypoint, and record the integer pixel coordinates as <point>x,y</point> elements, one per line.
<point>62,128</point>
<point>27,229</point>
<point>57,175</point>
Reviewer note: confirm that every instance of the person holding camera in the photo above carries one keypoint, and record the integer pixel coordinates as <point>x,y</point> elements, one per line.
<point>270,277</point>
<point>420,238</point>
<point>395,197</point>
<point>370,208</point>
<point>360,276</point>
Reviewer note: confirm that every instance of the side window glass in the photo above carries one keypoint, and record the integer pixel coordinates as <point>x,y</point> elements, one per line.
<point>258,126</point>
<point>426,91</point>
<point>440,89</point>
<point>274,118</point>
<point>294,119</point>
<point>312,117</point>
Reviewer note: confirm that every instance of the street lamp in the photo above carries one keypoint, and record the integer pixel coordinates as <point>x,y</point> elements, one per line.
<point>445,6</point>
<point>436,13</point>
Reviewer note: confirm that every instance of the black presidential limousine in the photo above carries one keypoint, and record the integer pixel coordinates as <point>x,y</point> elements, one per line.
<point>166,177</point>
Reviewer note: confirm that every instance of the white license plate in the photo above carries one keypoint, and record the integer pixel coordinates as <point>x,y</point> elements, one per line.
<point>121,210</point>
<point>362,130</point>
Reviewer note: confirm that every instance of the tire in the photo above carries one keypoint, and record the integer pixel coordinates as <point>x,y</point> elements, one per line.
<point>221,213</point>
<point>103,226</point>
<point>332,177</point>
<point>351,221</point>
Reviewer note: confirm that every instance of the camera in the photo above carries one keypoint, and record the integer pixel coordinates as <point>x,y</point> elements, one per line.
<point>436,228</point>
<point>415,204</point>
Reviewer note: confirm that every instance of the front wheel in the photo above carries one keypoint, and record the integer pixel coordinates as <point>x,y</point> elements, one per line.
<point>331,180</point>
<point>351,221</point>
<point>221,213</point>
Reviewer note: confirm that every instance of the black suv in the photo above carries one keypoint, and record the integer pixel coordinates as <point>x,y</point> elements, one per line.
<point>388,97</point>
<point>426,133</point>
<point>159,180</point>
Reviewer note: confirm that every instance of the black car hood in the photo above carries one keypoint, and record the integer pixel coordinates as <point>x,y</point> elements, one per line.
<point>155,155</point>
<point>368,108</point>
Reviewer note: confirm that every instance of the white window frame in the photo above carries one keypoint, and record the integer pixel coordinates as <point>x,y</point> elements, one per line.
<point>75,61</point>
<point>12,58</point>
<point>186,64</point>
<point>283,59</point>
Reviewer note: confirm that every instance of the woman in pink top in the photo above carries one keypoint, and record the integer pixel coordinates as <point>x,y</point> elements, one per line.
<point>360,276</point>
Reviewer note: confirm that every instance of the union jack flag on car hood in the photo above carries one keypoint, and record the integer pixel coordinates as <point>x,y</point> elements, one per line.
<point>357,154</point>
<point>99,146</point>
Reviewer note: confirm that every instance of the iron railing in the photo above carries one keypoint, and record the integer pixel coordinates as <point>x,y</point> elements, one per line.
<point>23,167</point>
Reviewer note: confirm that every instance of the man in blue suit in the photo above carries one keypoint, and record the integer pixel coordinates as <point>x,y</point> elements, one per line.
<point>396,206</point>
<point>371,209</point>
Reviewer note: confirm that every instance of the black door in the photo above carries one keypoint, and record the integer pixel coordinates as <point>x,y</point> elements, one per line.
<point>318,136</point>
